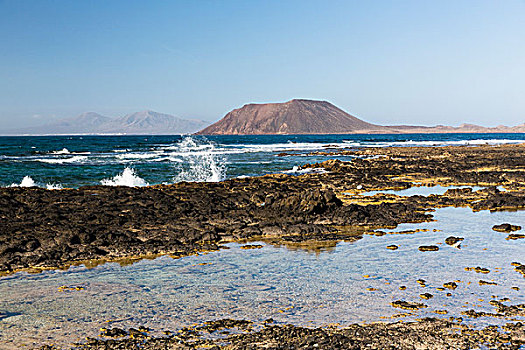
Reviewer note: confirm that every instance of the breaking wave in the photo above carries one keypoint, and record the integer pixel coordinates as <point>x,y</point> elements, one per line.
<point>200,162</point>
<point>54,186</point>
<point>63,160</point>
<point>62,151</point>
<point>128,177</point>
<point>27,181</point>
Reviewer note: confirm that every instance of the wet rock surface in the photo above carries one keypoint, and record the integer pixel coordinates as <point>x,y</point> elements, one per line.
<point>43,228</point>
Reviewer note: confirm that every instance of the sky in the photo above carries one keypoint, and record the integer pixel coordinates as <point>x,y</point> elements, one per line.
<point>387,62</point>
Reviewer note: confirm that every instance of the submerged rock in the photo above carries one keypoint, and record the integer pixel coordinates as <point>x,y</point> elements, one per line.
<point>514,236</point>
<point>487,283</point>
<point>408,305</point>
<point>428,248</point>
<point>450,285</point>
<point>426,296</point>
<point>454,241</point>
<point>506,228</point>
<point>477,269</point>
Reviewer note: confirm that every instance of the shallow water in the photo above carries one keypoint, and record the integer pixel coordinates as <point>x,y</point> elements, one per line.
<point>290,286</point>
<point>419,191</point>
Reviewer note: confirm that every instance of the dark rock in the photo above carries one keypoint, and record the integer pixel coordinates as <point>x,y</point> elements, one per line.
<point>408,305</point>
<point>113,332</point>
<point>428,248</point>
<point>453,240</point>
<point>450,285</point>
<point>483,283</point>
<point>506,228</point>
<point>426,296</point>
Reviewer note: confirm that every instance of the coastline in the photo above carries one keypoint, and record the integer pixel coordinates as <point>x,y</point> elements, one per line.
<point>95,224</point>
<point>71,226</point>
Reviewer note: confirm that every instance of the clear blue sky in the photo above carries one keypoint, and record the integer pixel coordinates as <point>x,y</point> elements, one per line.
<point>412,62</point>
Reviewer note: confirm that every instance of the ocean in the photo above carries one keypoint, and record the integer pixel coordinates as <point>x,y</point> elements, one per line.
<point>72,161</point>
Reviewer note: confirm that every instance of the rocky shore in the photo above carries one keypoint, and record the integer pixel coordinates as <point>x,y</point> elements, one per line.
<point>42,229</point>
<point>46,229</point>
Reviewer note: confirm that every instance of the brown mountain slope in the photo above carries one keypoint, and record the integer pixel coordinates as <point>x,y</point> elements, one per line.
<point>292,117</point>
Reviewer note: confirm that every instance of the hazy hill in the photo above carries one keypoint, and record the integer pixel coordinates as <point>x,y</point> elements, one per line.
<point>292,117</point>
<point>149,122</point>
<point>140,123</point>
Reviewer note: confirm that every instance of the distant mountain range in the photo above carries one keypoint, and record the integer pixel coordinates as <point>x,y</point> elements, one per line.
<point>298,116</point>
<point>301,116</point>
<point>140,123</point>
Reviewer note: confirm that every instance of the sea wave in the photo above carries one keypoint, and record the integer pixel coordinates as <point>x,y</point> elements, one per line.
<point>62,160</point>
<point>27,181</point>
<point>226,149</point>
<point>128,177</point>
<point>62,151</point>
<point>133,156</point>
<point>199,161</point>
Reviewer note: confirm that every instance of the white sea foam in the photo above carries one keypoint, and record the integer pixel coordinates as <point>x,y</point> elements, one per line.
<point>53,186</point>
<point>297,171</point>
<point>27,181</point>
<point>225,149</point>
<point>131,156</point>
<point>63,160</point>
<point>199,161</point>
<point>128,177</point>
<point>62,151</point>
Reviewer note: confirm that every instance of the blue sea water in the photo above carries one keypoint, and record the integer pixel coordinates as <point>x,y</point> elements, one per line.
<point>73,161</point>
